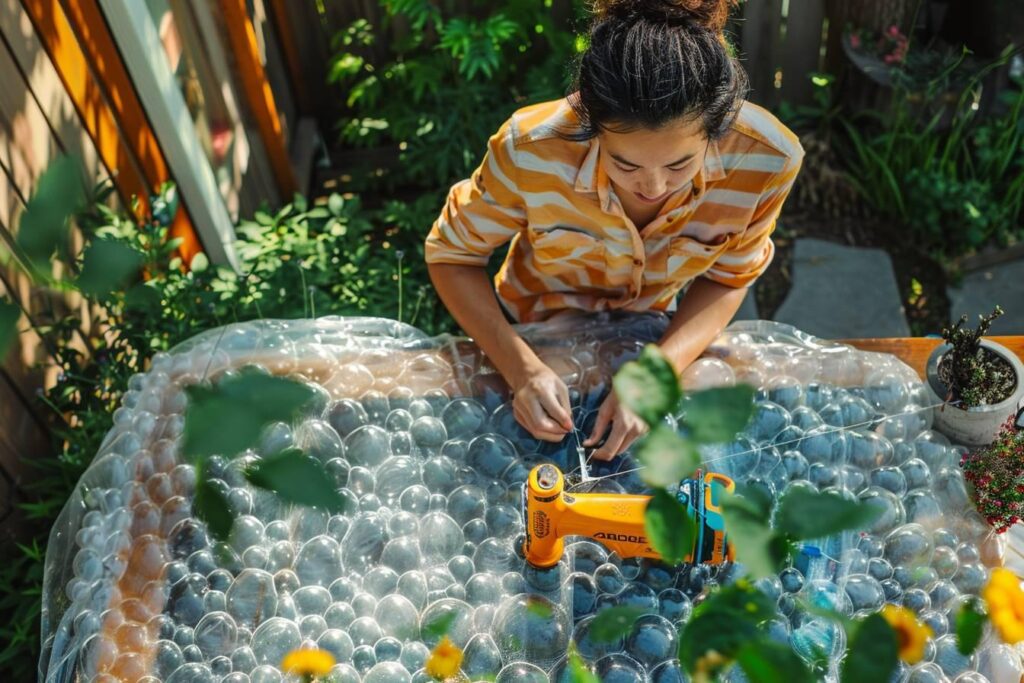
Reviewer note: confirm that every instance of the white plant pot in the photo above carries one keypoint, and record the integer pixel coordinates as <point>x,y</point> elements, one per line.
<point>976,426</point>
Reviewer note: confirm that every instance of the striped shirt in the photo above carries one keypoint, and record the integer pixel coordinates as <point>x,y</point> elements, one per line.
<point>572,245</point>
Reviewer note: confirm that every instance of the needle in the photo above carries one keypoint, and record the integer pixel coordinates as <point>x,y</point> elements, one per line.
<point>582,454</point>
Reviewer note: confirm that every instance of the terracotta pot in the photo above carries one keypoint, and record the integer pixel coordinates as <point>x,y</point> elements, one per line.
<point>976,426</point>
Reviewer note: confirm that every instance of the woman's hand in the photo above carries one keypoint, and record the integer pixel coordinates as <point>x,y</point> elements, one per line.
<point>540,403</point>
<point>626,427</point>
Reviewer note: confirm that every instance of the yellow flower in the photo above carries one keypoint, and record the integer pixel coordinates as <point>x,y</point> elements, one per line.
<point>1005,605</point>
<point>445,660</point>
<point>911,635</point>
<point>308,663</point>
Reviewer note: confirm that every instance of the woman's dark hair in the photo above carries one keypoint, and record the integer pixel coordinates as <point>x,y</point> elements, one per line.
<point>652,62</point>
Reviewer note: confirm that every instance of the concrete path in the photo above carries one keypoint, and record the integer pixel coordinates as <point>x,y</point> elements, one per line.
<point>843,292</point>
<point>748,309</point>
<point>981,290</point>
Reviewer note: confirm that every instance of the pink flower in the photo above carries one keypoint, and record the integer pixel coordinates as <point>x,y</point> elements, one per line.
<point>894,30</point>
<point>855,41</point>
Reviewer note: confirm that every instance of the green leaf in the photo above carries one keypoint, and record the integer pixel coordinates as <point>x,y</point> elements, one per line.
<point>873,651</point>
<point>200,262</point>
<point>725,622</point>
<point>296,478</point>
<point>10,313</point>
<point>715,415</point>
<point>228,418</point>
<point>613,623</point>
<point>43,228</point>
<point>670,529</point>
<point>210,505</point>
<point>648,386</point>
<point>757,546</point>
<point>107,266</point>
<point>438,627</point>
<point>666,456</point>
<point>578,671</point>
<point>765,661</point>
<point>970,624</point>
<point>335,203</point>
<point>808,514</point>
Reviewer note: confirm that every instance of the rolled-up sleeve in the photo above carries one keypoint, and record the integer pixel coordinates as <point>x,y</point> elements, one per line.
<point>481,212</point>
<point>752,251</point>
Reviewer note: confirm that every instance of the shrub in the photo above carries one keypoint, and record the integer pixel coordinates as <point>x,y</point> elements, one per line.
<point>997,474</point>
<point>444,89</point>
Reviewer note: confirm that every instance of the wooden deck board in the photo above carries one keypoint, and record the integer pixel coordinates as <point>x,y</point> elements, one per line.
<point>914,351</point>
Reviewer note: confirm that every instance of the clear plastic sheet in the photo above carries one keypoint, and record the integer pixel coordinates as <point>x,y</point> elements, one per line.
<point>419,434</point>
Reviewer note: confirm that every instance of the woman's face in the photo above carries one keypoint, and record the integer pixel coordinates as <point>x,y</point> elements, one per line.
<point>648,165</point>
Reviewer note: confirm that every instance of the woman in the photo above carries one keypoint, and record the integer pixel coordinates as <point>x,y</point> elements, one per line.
<point>652,176</point>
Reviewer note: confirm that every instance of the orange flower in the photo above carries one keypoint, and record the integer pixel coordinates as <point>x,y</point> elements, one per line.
<point>445,660</point>
<point>911,635</point>
<point>1005,605</point>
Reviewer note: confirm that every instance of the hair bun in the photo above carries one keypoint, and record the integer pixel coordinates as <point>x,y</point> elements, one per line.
<point>709,14</point>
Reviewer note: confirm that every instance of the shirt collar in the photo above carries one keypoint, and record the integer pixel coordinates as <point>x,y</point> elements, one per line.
<point>591,178</point>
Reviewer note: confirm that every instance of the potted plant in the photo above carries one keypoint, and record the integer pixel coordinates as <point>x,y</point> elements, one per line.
<point>995,476</point>
<point>978,381</point>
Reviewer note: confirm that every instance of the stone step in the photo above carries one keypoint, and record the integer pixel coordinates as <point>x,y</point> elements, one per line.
<point>843,292</point>
<point>981,290</point>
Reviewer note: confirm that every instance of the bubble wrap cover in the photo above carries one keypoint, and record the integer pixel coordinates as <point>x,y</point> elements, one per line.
<point>419,435</point>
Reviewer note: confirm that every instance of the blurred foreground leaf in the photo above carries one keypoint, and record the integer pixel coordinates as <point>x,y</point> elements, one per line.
<point>970,623</point>
<point>666,456</point>
<point>297,478</point>
<point>43,228</point>
<point>108,265</point>
<point>648,385</point>
<point>715,415</point>
<point>757,546</point>
<point>873,651</point>
<point>724,623</point>
<point>228,418</point>
<point>669,528</point>
<point>578,671</point>
<point>808,514</point>
<point>437,628</point>
<point>765,661</point>
<point>210,505</point>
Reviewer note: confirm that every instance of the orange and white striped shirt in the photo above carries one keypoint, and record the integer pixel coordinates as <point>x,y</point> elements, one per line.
<point>572,245</point>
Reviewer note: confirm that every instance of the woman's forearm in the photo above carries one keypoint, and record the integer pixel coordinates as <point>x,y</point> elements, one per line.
<point>702,314</point>
<point>467,293</point>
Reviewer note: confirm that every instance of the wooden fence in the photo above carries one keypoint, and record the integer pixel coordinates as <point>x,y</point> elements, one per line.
<point>194,91</point>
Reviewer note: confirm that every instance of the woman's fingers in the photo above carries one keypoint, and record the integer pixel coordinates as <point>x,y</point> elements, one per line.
<point>612,446</point>
<point>534,419</point>
<point>556,405</point>
<point>604,417</point>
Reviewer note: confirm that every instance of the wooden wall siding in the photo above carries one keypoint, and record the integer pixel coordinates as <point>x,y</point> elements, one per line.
<point>81,83</point>
<point>275,67</point>
<point>303,22</point>
<point>259,95</point>
<point>251,182</point>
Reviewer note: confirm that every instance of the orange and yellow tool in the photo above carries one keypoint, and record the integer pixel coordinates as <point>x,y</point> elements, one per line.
<point>617,519</point>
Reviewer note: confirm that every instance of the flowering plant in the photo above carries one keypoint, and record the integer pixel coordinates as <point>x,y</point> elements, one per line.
<point>889,45</point>
<point>997,474</point>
